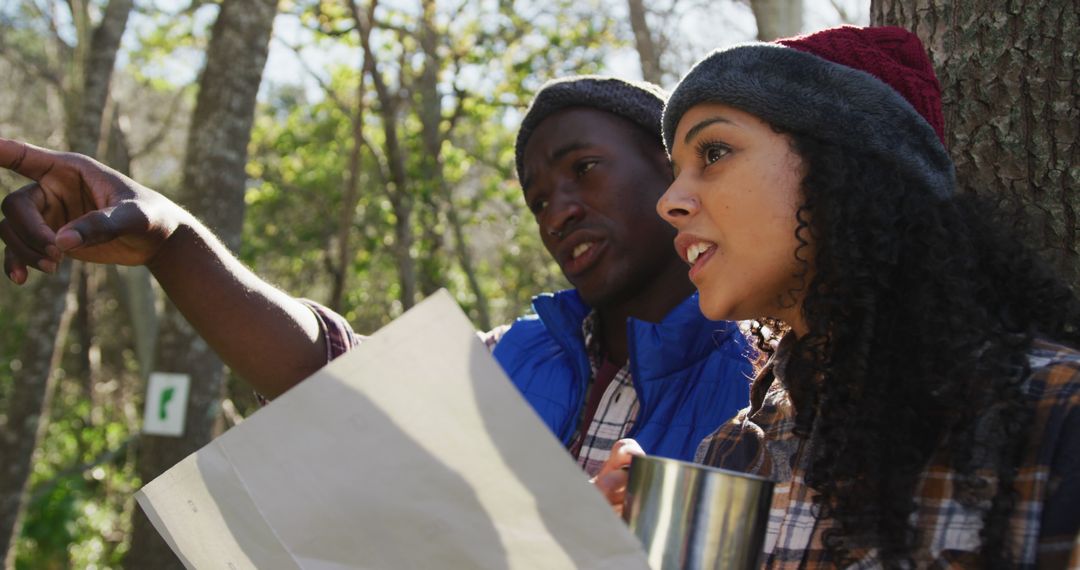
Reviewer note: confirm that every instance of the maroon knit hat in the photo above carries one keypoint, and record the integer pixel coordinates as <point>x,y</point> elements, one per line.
<point>871,90</point>
<point>893,55</point>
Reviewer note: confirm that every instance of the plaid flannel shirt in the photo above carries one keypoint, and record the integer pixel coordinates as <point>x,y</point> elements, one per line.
<point>1043,526</point>
<point>617,410</point>
<point>614,416</point>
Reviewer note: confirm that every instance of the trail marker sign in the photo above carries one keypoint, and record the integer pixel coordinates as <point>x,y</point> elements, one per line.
<point>166,404</point>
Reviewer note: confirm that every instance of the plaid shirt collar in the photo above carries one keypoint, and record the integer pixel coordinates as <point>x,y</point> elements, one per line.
<point>618,407</point>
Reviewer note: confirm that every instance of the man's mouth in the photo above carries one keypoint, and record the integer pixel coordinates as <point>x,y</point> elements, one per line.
<point>581,249</point>
<point>582,257</point>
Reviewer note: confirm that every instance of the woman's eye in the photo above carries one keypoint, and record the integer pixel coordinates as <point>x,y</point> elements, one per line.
<point>538,206</point>
<point>714,153</point>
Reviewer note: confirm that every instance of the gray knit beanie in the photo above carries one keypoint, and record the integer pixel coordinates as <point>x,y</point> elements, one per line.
<point>639,102</point>
<point>872,90</point>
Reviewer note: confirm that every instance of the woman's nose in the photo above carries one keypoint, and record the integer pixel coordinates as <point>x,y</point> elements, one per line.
<point>677,203</point>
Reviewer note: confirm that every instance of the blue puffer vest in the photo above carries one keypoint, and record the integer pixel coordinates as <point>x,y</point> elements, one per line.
<point>691,374</point>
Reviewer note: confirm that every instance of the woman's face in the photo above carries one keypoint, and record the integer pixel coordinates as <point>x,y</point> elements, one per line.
<point>734,202</point>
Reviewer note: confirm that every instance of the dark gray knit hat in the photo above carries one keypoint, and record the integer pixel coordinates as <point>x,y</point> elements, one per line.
<point>859,88</point>
<point>639,102</point>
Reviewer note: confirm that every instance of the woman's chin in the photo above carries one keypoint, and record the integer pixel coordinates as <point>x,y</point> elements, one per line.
<point>715,309</point>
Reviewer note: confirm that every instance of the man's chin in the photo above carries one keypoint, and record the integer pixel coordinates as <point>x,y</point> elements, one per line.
<point>596,294</point>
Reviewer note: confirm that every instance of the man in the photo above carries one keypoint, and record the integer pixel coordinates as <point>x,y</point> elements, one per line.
<point>626,353</point>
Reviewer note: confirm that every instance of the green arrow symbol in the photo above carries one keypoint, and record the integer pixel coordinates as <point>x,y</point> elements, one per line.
<point>166,395</point>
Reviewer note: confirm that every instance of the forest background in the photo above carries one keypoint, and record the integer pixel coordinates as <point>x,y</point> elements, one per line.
<point>360,153</point>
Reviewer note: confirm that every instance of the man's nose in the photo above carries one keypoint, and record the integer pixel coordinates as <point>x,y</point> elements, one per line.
<point>564,210</point>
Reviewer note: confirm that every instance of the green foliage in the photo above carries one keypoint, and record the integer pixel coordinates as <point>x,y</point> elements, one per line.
<point>170,42</point>
<point>83,477</point>
<point>82,486</point>
<point>491,56</point>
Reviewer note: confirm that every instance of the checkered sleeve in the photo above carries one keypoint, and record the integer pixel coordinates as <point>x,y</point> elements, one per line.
<point>1058,423</point>
<point>492,337</point>
<point>1044,524</point>
<point>336,332</point>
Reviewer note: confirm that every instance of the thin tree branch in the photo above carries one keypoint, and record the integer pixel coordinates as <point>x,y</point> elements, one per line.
<point>341,105</point>
<point>166,125</point>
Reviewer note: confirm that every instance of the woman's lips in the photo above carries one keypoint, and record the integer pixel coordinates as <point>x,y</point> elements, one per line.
<point>698,255</point>
<point>695,251</point>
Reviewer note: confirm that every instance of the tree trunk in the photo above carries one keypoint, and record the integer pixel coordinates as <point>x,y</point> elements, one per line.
<point>139,301</point>
<point>648,53</point>
<point>431,120</point>
<point>398,188</point>
<point>213,189</point>
<point>135,289</point>
<point>28,405</point>
<point>1009,79</point>
<point>86,126</point>
<point>350,196</point>
<point>40,353</point>
<point>81,332</point>
<point>777,18</point>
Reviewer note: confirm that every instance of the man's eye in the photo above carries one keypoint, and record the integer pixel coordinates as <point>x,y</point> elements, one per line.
<point>584,166</point>
<point>538,206</point>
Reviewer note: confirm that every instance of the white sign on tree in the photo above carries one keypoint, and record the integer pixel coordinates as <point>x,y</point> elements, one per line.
<point>166,404</point>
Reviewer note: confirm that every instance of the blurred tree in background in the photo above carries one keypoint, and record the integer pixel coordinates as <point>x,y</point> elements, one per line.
<point>75,63</point>
<point>379,168</point>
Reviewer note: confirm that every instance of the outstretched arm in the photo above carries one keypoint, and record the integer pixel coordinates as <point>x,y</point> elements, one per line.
<point>78,207</point>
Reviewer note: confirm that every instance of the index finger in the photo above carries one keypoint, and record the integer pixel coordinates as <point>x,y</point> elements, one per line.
<point>626,448</point>
<point>26,159</point>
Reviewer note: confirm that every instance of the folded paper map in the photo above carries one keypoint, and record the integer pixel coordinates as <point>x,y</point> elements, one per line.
<point>412,451</point>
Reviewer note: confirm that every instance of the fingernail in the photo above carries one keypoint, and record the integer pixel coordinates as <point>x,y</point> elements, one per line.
<point>53,252</point>
<point>47,265</point>
<point>70,238</point>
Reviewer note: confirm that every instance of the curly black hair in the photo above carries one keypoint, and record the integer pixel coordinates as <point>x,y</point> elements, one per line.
<point>920,312</point>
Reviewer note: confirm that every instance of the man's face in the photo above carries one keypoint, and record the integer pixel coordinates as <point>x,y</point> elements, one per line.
<point>592,185</point>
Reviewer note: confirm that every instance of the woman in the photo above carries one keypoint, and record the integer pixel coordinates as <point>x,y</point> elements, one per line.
<point>922,407</point>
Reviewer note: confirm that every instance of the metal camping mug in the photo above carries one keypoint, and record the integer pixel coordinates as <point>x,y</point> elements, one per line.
<point>689,516</point>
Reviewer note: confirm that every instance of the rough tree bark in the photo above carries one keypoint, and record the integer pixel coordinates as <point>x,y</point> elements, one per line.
<point>213,189</point>
<point>1009,74</point>
<point>53,306</point>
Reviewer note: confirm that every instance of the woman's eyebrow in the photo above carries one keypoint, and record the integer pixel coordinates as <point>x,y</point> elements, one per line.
<point>701,125</point>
